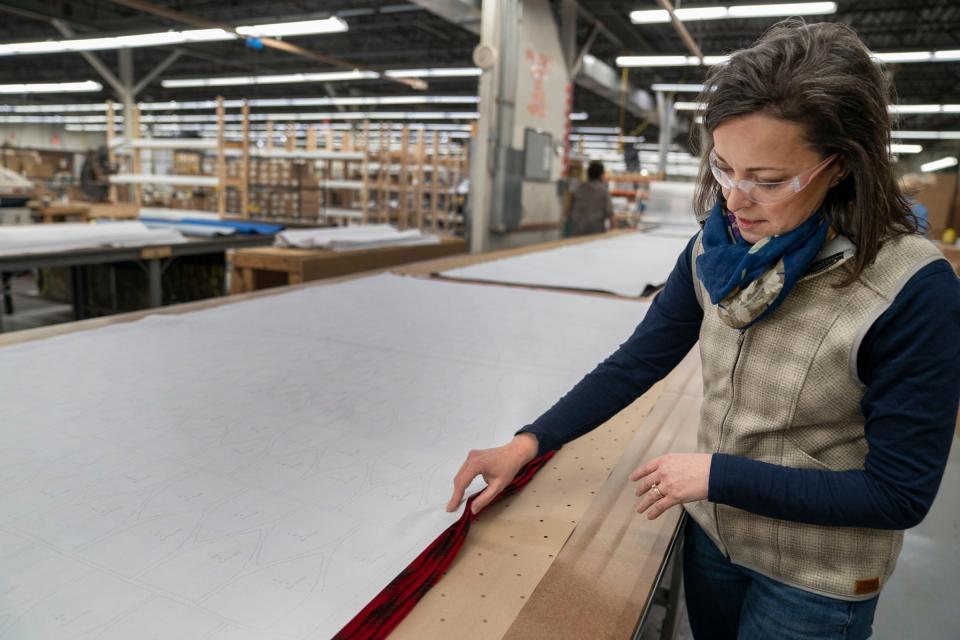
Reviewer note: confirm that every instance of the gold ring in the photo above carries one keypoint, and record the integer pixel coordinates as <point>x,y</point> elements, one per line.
<point>656,488</point>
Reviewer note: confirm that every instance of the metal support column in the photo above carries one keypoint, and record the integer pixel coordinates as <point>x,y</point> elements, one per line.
<point>483,152</point>
<point>665,113</point>
<point>155,279</point>
<point>125,64</point>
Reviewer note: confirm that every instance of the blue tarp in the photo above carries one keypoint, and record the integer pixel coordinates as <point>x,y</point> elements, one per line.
<point>240,227</point>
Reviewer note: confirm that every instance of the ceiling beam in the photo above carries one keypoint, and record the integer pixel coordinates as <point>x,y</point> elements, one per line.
<point>92,59</point>
<point>681,30</point>
<point>157,70</point>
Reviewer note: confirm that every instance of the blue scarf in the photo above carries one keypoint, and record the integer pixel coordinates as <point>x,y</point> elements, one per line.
<point>748,282</point>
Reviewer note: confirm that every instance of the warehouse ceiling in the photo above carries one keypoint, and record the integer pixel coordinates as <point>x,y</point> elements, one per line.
<point>396,35</point>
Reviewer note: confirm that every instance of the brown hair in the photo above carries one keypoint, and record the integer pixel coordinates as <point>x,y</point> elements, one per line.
<point>821,77</point>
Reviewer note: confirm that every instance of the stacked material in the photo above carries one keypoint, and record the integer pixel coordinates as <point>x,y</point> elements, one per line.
<point>355,237</point>
<point>13,182</point>
<point>626,265</point>
<point>201,223</point>
<point>299,467</point>
<point>51,238</point>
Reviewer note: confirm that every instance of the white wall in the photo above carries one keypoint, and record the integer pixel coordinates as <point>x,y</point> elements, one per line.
<point>49,137</point>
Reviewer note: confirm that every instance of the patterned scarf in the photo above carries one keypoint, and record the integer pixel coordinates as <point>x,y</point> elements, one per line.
<point>748,282</point>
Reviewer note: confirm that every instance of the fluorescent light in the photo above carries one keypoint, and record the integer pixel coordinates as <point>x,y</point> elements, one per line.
<point>655,16</point>
<point>451,72</point>
<point>915,108</point>
<point>329,25</point>
<point>789,9</point>
<point>688,106</point>
<point>579,115</point>
<point>701,13</point>
<point>192,105</point>
<point>116,42</point>
<point>905,148</point>
<point>951,108</point>
<point>288,78</point>
<point>608,130</point>
<point>677,88</point>
<point>942,163</point>
<point>652,61</point>
<point>652,16</point>
<point>254,117</point>
<point>53,108</point>
<point>668,61</point>
<point>918,135</point>
<point>691,61</point>
<point>51,87</point>
<point>903,56</point>
<point>301,28</point>
<point>333,76</point>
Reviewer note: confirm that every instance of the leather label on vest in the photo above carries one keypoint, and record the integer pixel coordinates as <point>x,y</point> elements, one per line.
<point>867,586</point>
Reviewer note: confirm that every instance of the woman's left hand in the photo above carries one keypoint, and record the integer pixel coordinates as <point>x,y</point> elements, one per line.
<point>671,479</point>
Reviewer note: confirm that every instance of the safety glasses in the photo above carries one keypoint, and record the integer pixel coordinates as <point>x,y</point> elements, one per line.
<point>767,192</point>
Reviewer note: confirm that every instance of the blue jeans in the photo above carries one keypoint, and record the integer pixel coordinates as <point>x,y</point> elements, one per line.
<point>727,601</point>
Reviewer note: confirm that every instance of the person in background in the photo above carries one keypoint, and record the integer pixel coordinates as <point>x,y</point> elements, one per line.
<point>912,186</point>
<point>591,210</point>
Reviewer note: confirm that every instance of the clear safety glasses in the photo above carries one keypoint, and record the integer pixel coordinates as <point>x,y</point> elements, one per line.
<point>766,192</point>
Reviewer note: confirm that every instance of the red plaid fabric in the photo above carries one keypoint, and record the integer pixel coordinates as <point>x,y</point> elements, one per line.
<point>390,606</point>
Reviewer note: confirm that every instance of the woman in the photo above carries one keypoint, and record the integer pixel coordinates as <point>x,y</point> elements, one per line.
<point>828,333</point>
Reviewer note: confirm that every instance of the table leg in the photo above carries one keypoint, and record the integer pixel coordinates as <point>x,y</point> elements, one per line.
<point>76,291</point>
<point>671,618</point>
<point>7,293</point>
<point>3,278</point>
<point>155,276</point>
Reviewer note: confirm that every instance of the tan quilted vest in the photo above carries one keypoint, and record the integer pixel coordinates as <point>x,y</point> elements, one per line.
<point>786,392</point>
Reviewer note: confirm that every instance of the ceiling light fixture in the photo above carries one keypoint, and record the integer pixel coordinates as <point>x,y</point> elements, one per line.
<point>693,14</point>
<point>942,163</point>
<point>51,87</point>
<point>677,88</point>
<point>328,25</point>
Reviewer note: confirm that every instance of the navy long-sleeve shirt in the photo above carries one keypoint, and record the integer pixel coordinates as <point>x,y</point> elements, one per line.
<point>909,361</point>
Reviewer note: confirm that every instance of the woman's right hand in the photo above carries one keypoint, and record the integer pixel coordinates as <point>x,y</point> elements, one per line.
<point>498,466</point>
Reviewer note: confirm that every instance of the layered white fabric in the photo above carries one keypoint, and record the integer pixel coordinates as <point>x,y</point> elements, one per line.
<point>353,237</point>
<point>625,265</point>
<point>263,469</point>
<point>51,238</point>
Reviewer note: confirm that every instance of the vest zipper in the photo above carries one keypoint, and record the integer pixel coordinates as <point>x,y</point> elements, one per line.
<point>733,373</point>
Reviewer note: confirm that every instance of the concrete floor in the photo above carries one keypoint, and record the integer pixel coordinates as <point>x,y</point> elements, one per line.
<point>921,600</point>
<point>31,311</point>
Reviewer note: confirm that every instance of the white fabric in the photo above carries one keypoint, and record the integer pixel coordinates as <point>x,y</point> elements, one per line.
<point>187,229</point>
<point>50,238</point>
<point>354,237</point>
<point>177,214</point>
<point>625,265</point>
<point>263,469</point>
<point>177,180</point>
<point>10,180</point>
